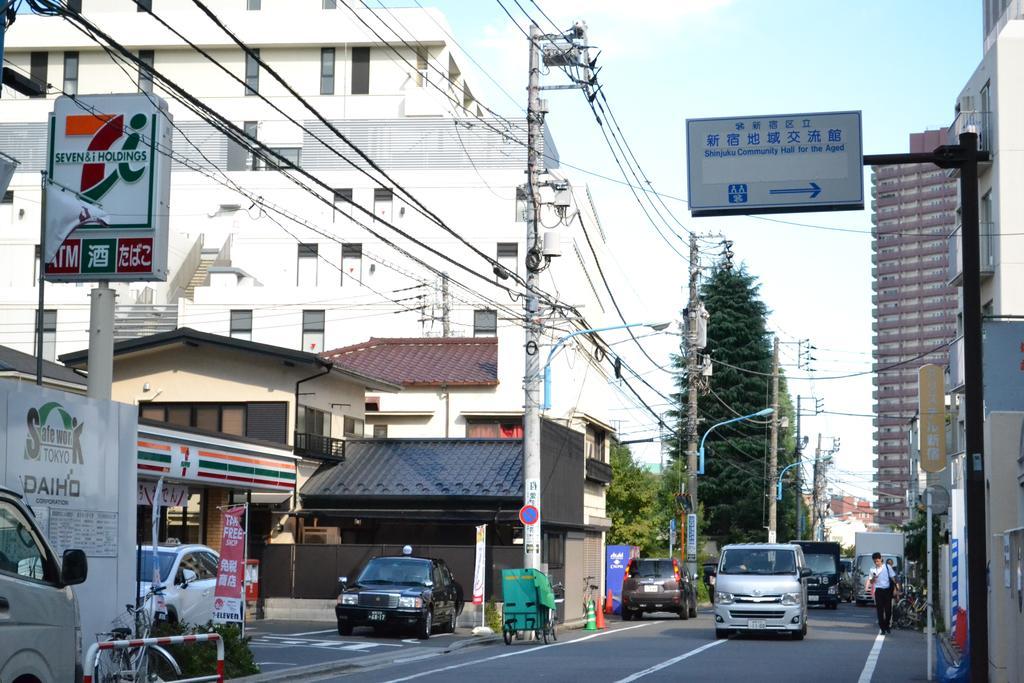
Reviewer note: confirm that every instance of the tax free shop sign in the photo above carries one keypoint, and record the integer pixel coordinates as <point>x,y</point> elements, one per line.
<point>106,151</point>
<point>775,164</point>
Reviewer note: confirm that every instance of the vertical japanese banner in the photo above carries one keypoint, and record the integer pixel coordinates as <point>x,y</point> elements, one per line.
<point>228,598</point>
<point>479,569</point>
<point>931,397</point>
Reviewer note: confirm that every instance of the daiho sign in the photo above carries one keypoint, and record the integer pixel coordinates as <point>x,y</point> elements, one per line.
<point>113,151</point>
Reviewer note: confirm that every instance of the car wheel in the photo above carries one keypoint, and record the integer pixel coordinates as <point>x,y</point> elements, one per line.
<point>833,605</point>
<point>721,633</point>
<point>799,635</point>
<point>693,608</point>
<point>424,627</point>
<point>638,615</point>
<point>684,612</point>
<point>344,629</point>
<point>627,615</point>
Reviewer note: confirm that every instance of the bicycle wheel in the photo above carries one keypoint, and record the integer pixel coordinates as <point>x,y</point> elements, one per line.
<point>157,665</point>
<point>111,667</point>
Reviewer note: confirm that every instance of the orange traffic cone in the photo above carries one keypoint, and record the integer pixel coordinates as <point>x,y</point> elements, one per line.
<point>599,619</point>
<point>609,603</point>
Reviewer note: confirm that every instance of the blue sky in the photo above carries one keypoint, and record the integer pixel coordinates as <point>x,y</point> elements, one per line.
<point>902,63</point>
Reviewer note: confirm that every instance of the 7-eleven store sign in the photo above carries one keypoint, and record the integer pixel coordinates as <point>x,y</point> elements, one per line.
<point>183,457</point>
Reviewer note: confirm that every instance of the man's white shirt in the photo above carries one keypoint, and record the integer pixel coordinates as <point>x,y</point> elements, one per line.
<point>882,576</point>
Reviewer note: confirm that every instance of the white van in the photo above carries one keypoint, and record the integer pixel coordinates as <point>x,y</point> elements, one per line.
<point>39,630</point>
<point>761,587</point>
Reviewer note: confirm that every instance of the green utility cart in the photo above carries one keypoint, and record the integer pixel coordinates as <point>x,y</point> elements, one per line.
<point>529,605</point>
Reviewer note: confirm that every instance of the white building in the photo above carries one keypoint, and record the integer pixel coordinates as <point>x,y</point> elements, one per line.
<point>990,104</point>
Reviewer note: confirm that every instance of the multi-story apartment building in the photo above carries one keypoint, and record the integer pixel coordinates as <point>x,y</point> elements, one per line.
<point>989,105</point>
<point>914,306</point>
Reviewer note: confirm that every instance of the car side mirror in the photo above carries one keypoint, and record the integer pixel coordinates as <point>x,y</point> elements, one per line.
<point>343,582</point>
<point>428,583</point>
<point>805,572</point>
<point>187,577</point>
<point>74,567</point>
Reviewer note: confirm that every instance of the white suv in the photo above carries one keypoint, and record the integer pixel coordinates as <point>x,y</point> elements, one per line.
<point>189,576</point>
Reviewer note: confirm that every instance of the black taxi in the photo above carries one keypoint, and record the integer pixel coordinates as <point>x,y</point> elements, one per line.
<point>418,593</point>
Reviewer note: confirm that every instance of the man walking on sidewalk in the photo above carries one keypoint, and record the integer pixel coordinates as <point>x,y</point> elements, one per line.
<point>883,583</point>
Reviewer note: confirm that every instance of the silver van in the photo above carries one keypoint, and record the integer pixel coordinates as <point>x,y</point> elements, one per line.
<point>761,587</point>
<point>39,628</point>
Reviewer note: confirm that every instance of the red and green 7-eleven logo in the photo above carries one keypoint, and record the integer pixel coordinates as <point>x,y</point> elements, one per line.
<point>106,130</point>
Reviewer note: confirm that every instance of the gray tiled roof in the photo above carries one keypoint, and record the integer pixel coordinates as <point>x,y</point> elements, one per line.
<point>24,363</point>
<point>428,468</point>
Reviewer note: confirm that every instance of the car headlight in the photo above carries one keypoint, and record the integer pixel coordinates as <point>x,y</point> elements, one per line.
<point>832,590</point>
<point>349,599</point>
<point>410,602</point>
<point>790,599</point>
<point>723,598</point>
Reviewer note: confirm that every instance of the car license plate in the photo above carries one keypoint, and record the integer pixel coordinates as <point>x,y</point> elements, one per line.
<point>376,616</point>
<point>757,624</point>
<point>650,589</point>
<point>812,598</point>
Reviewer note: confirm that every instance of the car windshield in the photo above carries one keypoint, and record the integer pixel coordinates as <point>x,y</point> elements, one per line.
<point>165,558</point>
<point>821,564</point>
<point>758,561</point>
<point>846,565</point>
<point>654,569</point>
<point>865,564</point>
<point>395,571</point>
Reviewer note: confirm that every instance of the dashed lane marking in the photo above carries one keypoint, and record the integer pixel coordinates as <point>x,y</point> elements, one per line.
<point>670,662</point>
<point>872,661</point>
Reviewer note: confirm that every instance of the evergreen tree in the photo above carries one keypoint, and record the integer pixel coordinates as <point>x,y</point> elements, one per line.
<point>733,490</point>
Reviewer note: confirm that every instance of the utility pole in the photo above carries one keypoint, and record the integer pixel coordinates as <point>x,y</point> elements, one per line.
<point>816,493</point>
<point>692,369</point>
<point>773,448</point>
<point>446,307</point>
<point>532,377</point>
<point>799,477</point>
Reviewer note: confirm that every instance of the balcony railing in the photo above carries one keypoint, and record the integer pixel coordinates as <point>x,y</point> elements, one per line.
<point>598,471</point>
<point>979,122</point>
<point>955,378</point>
<point>986,253</point>
<point>319,446</point>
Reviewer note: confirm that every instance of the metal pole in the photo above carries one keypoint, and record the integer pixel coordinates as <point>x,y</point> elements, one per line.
<point>691,415</point>
<point>531,381</point>
<point>931,575</point>
<point>977,555</point>
<point>445,307</point>
<point>816,521</point>
<point>799,467</point>
<point>101,341</point>
<point>245,563</point>
<point>42,274</point>
<point>773,448</point>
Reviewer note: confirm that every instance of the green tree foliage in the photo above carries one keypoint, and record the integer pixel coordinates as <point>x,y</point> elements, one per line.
<point>734,489</point>
<point>633,503</point>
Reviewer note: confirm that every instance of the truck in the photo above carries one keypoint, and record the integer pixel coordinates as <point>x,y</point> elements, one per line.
<point>889,544</point>
<point>823,584</point>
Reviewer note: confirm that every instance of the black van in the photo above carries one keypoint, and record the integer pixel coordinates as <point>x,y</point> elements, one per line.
<point>823,559</point>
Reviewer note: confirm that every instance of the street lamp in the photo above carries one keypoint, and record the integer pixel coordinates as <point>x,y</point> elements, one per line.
<point>700,451</point>
<point>657,327</point>
<point>778,490</point>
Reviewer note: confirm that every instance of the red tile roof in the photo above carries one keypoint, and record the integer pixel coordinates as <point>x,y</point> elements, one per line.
<point>423,361</point>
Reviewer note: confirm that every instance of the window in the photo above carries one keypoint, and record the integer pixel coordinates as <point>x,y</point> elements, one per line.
<point>308,257</point>
<point>251,129</point>
<point>143,5</point>
<point>353,426</point>
<point>292,158</point>
<point>71,73</point>
<point>494,429</point>
<point>21,552</point>
<point>330,4</point>
<point>7,198</point>
<point>422,72</point>
<point>313,331</point>
<point>342,202</point>
<point>521,197</point>
<point>253,5</point>
<point>485,323</point>
<point>594,443</point>
<point>241,325</point>
<point>351,262</point>
<point>49,334</point>
<point>360,71</point>
<point>508,257</point>
<point>146,58</point>
<point>380,431</point>
<point>383,199</point>
<point>252,72</point>
<point>266,420</point>
<point>313,421</point>
<point>327,71</point>
<point>38,64</point>
<point>553,550</point>
<point>75,5</point>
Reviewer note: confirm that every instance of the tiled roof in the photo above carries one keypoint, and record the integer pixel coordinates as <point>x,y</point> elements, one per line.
<point>424,361</point>
<point>25,364</point>
<point>432,468</point>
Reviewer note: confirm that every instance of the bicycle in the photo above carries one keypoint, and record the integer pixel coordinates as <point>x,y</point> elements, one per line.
<point>140,664</point>
<point>910,610</point>
<point>589,588</point>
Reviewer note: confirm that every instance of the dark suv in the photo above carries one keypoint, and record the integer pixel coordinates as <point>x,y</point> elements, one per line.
<point>409,592</point>
<point>657,585</point>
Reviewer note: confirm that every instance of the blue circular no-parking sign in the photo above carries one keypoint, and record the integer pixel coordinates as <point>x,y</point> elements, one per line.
<point>529,515</point>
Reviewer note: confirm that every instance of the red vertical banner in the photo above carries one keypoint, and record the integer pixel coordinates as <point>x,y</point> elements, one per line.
<point>228,598</point>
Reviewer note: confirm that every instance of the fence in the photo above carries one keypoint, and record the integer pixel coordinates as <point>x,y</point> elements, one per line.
<point>90,656</point>
<point>311,572</point>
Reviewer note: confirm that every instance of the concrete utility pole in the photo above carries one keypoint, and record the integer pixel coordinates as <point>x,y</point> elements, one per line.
<point>799,474</point>
<point>446,307</point>
<point>816,494</point>
<point>773,448</point>
<point>532,377</point>
<point>692,370</point>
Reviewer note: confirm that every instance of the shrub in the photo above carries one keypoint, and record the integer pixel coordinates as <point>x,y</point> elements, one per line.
<point>492,615</point>
<point>200,659</point>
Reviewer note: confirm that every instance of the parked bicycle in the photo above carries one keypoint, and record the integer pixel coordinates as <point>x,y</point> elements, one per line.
<point>142,664</point>
<point>910,611</point>
<point>589,593</point>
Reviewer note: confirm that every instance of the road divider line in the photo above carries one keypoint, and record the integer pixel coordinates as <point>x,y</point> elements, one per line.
<point>872,661</point>
<point>670,662</point>
<point>311,633</point>
<point>523,651</point>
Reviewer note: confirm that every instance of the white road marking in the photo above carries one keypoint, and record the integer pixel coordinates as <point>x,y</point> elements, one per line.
<point>313,633</point>
<point>520,652</point>
<point>348,646</point>
<point>670,662</point>
<point>872,661</point>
